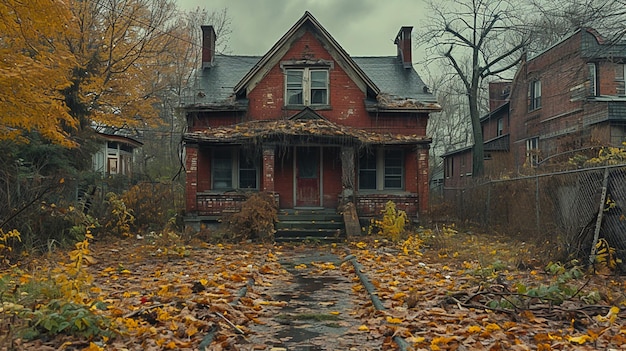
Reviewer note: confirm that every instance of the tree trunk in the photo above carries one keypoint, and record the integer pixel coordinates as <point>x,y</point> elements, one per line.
<point>478,150</point>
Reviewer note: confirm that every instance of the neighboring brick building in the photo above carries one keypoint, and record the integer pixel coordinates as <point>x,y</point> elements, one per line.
<point>309,124</point>
<point>565,100</point>
<point>496,133</point>
<point>568,98</point>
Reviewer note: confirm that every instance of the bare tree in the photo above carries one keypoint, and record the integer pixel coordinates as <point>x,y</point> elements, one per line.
<point>451,128</point>
<point>479,39</point>
<point>554,20</point>
<point>174,73</point>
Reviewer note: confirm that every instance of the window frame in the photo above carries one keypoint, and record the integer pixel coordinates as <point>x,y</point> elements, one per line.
<point>500,126</point>
<point>620,79</point>
<point>448,171</point>
<point>384,171</point>
<point>233,181</point>
<point>367,166</point>
<point>534,95</point>
<point>307,87</point>
<point>592,75</point>
<point>532,151</point>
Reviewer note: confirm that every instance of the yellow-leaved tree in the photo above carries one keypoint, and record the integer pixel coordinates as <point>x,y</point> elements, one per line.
<point>119,47</point>
<point>36,67</point>
<point>69,63</point>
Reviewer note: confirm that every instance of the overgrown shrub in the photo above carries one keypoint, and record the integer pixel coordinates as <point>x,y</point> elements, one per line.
<point>255,221</point>
<point>119,217</point>
<point>154,206</point>
<point>58,302</point>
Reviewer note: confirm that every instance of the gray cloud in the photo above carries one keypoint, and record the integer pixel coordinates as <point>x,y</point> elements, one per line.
<point>362,27</point>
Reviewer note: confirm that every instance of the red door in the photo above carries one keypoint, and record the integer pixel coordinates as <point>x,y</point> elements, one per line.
<point>308,177</point>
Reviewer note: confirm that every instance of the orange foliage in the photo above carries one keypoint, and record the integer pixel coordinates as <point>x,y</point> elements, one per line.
<point>34,69</point>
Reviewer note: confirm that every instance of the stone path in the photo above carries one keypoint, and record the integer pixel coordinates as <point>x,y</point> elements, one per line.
<point>314,305</point>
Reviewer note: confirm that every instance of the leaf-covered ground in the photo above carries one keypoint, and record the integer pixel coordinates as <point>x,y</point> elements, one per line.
<point>464,292</point>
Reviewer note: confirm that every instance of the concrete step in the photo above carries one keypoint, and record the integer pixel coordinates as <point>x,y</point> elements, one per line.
<point>309,224</point>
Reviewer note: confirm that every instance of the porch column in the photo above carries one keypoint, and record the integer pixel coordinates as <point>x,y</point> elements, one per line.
<point>422,177</point>
<point>268,168</point>
<point>191,184</point>
<point>347,173</point>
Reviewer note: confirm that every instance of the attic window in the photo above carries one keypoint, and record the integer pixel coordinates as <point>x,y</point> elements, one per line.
<point>306,86</point>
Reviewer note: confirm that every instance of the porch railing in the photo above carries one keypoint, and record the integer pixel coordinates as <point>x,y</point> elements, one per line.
<point>218,204</point>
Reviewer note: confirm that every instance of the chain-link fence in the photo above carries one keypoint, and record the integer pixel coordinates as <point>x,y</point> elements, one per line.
<point>566,211</point>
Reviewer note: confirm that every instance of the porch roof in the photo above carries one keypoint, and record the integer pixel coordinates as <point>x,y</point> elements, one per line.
<point>286,130</point>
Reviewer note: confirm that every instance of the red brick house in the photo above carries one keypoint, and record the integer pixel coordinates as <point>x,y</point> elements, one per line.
<point>496,134</point>
<point>308,123</point>
<point>568,98</point>
<point>565,100</point>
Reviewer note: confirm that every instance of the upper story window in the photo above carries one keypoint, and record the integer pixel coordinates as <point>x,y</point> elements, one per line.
<point>306,86</point>
<point>500,126</point>
<point>593,78</point>
<point>534,95</point>
<point>448,171</point>
<point>620,78</point>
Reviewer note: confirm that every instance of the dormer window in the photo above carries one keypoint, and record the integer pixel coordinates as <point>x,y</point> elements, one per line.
<point>306,86</point>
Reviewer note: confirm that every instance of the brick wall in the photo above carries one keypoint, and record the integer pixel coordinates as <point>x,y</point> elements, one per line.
<point>283,177</point>
<point>204,169</point>
<point>372,205</point>
<point>220,204</point>
<point>191,185</point>
<point>332,186</point>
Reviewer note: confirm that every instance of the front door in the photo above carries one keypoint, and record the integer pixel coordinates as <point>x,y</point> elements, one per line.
<point>308,177</point>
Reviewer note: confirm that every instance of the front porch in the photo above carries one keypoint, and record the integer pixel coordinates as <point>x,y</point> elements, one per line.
<point>306,164</point>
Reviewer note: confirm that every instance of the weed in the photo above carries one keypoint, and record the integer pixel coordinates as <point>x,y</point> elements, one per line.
<point>5,243</point>
<point>62,317</point>
<point>392,224</point>
<point>120,217</point>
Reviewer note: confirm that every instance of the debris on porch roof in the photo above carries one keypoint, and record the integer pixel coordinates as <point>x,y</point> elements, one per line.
<point>259,131</point>
<point>389,101</point>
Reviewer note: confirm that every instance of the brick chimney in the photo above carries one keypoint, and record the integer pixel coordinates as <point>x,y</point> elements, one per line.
<point>208,46</point>
<point>403,42</point>
<point>499,92</point>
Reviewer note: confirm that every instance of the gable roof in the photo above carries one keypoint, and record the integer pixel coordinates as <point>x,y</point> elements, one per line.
<point>388,83</point>
<point>307,21</point>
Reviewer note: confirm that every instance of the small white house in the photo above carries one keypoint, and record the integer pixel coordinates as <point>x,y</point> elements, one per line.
<point>115,155</point>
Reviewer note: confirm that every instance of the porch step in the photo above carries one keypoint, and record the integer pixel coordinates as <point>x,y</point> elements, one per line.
<point>315,224</point>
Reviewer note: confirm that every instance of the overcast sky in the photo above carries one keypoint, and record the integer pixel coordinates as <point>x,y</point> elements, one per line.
<point>361,27</point>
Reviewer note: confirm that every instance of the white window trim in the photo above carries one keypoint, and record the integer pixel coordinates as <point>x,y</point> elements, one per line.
<point>532,151</point>
<point>534,94</point>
